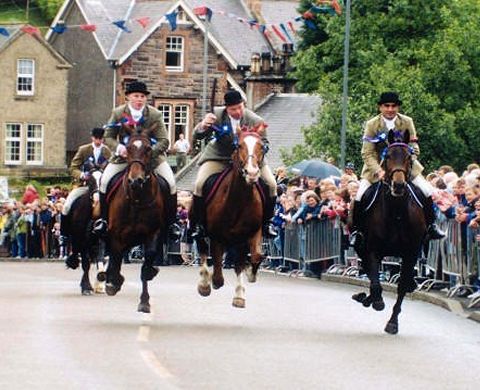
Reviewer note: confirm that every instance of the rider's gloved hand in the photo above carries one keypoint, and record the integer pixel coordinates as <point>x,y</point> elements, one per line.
<point>208,121</point>
<point>85,176</point>
<point>380,174</point>
<point>121,151</point>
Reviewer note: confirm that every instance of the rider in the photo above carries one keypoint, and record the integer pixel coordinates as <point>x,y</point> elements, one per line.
<point>137,112</point>
<point>373,143</point>
<point>91,156</point>
<point>218,153</point>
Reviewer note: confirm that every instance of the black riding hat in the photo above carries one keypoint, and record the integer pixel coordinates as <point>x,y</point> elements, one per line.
<point>137,86</point>
<point>232,97</point>
<point>390,97</point>
<point>97,132</point>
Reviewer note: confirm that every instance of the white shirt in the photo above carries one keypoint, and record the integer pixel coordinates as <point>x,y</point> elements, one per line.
<point>97,151</point>
<point>136,114</point>
<point>182,145</point>
<point>235,123</point>
<point>390,123</point>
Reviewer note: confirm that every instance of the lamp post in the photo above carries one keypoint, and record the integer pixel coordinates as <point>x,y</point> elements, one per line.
<point>205,68</point>
<point>343,134</point>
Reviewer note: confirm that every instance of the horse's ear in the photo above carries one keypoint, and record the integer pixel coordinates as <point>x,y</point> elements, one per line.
<point>391,136</point>
<point>261,128</point>
<point>406,136</point>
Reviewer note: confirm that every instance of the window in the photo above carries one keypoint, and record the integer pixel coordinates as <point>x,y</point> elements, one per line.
<point>25,77</point>
<point>181,120</point>
<point>166,110</point>
<point>13,139</point>
<point>174,54</point>
<point>34,145</point>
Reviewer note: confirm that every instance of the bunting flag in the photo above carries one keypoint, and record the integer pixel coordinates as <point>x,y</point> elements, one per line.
<point>88,27</point>
<point>144,22</point>
<point>4,31</point>
<point>290,25</point>
<point>172,19</point>
<point>310,24</point>
<point>278,33</point>
<point>59,28</point>
<point>121,25</point>
<point>204,11</point>
<point>30,30</point>
<point>337,7</point>
<point>285,31</point>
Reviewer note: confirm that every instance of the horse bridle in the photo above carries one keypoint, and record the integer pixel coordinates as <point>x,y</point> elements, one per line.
<point>404,171</point>
<point>249,156</point>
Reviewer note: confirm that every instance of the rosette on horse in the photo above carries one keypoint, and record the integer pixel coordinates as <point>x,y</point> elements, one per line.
<point>234,214</point>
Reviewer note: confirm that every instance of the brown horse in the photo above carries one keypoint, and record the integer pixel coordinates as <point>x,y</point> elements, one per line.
<point>395,226</point>
<point>136,216</point>
<point>234,219</point>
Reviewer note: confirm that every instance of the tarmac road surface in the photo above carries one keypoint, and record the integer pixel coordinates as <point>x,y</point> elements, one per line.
<point>293,334</point>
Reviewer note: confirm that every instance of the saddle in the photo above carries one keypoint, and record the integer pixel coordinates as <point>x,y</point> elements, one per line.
<point>213,182</point>
<point>116,181</point>
<point>371,194</point>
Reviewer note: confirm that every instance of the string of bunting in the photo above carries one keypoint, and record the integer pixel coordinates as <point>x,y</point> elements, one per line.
<point>283,30</point>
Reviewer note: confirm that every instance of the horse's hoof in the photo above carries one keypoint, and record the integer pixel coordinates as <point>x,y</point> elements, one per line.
<point>391,328</point>
<point>367,301</point>
<point>238,302</point>
<point>204,291</point>
<point>143,307</point>
<point>87,292</point>
<point>72,262</point>
<point>378,305</point>
<point>217,284</point>
<point>111,289</point>
<point>360,297</point>
<point>102,276</point>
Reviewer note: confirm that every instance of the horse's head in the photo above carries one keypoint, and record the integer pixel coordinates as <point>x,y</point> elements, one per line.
<point>139,154</point>
<point>398,161</point>
<point>248,155</point>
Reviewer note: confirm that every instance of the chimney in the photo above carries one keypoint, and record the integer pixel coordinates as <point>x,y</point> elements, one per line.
<point>255,64</point>
<point>266,62</point>
<point>255,6</point>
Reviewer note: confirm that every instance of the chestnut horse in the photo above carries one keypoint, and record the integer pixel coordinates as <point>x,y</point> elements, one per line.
<point>234,219</point>
<point>136,216</point>
<point>83,241</point>
<point>394,226</point>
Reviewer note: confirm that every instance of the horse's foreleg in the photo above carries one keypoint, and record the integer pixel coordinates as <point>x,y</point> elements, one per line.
<point>204,285</point>
<point>239,298</point>
<point>85,285</point>
<point>114,278</point>
<point>375,298</point>
<point>405,284</point>
<point>217,254</point>
<point>149,271</point>
<point>256,257</point>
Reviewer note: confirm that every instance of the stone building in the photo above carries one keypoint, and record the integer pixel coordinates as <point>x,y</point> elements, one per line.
<point>34,83</point>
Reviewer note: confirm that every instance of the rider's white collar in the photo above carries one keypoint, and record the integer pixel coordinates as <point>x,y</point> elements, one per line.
<point>136,114</point>
<point>390,123</point>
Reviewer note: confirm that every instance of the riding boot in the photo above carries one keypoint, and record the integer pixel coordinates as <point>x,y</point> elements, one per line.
<point>100,225</point>
<point>197,218</point>
<point>269,230</point>
<point>356,230</point>
<point>174,231</point>
<point>433,231</point>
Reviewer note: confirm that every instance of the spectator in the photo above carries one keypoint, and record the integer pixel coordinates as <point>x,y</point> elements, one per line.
<point>30,194</point>
<point>182,148</point>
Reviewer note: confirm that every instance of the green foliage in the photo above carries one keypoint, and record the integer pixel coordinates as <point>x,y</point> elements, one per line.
<point>427,51</point>
<point>49,8</point>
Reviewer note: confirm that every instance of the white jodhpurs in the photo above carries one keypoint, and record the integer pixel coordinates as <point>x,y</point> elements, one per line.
<point>72,197</point>
<point>362,187</point>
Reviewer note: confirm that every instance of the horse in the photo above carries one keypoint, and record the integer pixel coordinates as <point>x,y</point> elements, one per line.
<point>394,226</point>
<point>83,241</point>
<point>136,215</point>
<point>234,219</point>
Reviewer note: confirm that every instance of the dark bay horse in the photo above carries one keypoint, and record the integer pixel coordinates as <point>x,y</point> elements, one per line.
<point>234,219</point>
<point>394,226</point>
<point>83,242</point>
<point>136,215</point>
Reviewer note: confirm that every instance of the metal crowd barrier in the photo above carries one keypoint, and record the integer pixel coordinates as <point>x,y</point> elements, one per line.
<point>312,242</point>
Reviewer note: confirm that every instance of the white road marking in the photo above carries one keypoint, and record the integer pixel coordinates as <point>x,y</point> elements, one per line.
<point>152,361</point>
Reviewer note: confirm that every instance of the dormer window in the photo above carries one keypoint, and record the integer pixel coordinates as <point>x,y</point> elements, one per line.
<point>174,49</point>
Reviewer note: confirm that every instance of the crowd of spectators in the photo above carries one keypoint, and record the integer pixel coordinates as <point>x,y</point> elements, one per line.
<point>30,227</point>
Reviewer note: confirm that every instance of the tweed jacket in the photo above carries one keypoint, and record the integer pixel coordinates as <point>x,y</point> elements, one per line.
<point>84,152</point>
<point>153,122</point>
<point>371,151</point>
<point>222,149</point>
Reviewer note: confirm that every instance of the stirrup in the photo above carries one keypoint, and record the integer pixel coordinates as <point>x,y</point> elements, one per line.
<point>198,232</point>
<point>434,233</point>
<point>356,238</point>
<point>269,230</point>
<point>174,231</point>
<point>99,226</point>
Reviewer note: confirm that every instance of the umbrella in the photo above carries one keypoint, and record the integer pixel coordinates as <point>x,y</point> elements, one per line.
<point>315,168</point>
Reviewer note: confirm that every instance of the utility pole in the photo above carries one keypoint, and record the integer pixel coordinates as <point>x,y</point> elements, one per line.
<point>27,11</point>
<point>205,67</point>
<point>343,135</point>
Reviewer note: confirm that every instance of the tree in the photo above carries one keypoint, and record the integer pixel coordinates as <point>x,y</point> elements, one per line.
<point>427,51</point>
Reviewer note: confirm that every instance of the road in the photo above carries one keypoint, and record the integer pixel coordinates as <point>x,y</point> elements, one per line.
<point>293,334</point>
